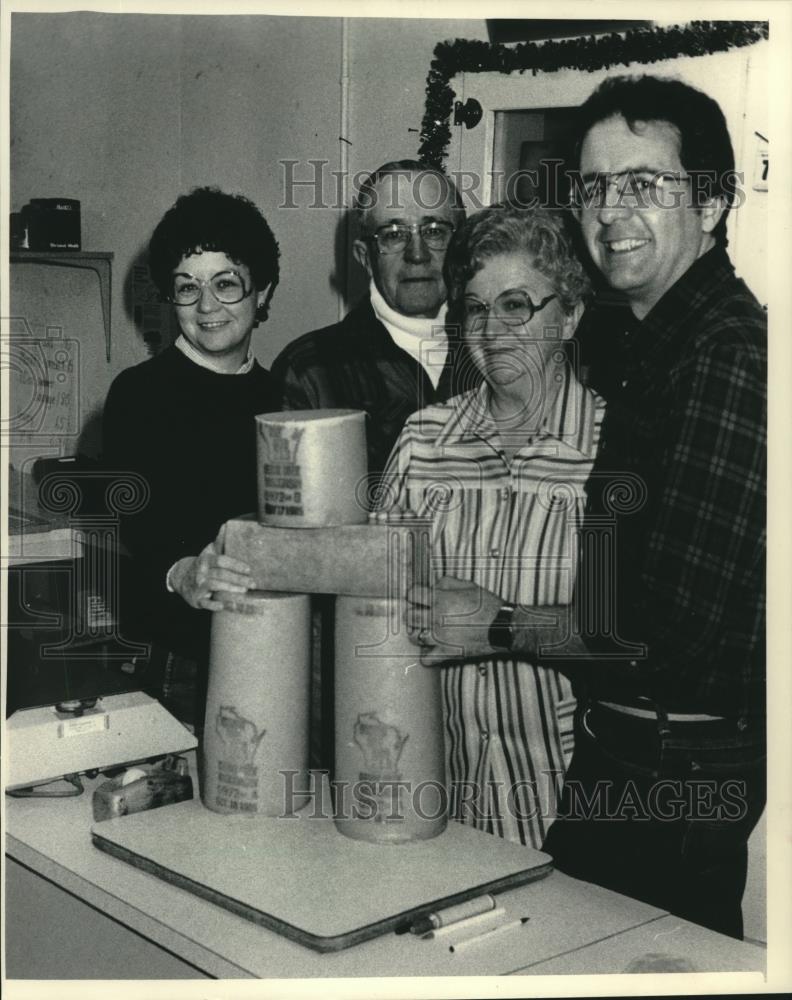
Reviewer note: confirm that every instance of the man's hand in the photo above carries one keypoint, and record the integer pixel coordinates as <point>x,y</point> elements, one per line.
<point>450,619</point>
<point>196,578</point>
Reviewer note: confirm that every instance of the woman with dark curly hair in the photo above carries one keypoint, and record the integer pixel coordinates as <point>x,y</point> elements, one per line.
<point>184,419</point>
<point>500,471</point>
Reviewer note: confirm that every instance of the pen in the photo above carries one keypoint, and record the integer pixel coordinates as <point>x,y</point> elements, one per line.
<point>460,926</point>
<point>453,914</point>
<point>487,935</point>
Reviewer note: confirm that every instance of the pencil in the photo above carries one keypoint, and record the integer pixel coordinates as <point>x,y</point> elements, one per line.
<point>486,936</point>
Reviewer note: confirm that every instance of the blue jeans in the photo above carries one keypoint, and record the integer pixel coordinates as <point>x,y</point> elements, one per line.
<point>661,811</point>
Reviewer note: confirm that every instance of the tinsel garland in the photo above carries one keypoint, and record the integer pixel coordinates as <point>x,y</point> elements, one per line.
<point>641,45</point>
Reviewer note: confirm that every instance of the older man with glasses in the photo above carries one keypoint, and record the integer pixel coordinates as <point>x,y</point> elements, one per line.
<point>390,355</point>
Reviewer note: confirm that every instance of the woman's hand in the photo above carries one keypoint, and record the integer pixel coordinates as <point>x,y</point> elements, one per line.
<point>196,578</point>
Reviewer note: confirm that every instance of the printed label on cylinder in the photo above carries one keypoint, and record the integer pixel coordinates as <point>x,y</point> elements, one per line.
<point>237,775</point>
<point>256,723</point>
<point>283,483</point>
<point>311,466</point>
<point>389,752</point>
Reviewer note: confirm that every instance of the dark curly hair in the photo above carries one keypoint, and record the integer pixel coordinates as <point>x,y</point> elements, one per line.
<point>503,229</point>
<point>208,220</point>
<point>705,148</point>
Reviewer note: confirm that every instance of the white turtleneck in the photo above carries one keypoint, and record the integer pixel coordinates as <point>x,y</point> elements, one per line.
<point>423,339</point>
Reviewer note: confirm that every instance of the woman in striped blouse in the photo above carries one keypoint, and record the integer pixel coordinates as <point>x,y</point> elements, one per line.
<point>501,472</point>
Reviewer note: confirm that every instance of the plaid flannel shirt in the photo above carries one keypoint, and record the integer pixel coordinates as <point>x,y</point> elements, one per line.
<point>678,506</point>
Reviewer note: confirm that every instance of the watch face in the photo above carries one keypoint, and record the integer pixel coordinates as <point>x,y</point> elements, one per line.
<point>500,633</point>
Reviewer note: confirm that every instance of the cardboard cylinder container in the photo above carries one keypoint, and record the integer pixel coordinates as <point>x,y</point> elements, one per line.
<point>389,779</point>
<point>255,742</point>
<point>312,468</point>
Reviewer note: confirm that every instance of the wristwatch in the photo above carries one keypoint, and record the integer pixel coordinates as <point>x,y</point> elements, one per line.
<point>501,631</point>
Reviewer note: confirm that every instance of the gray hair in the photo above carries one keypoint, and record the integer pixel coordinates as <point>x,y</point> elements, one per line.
<point>367,196</point>
<point>502,229</point>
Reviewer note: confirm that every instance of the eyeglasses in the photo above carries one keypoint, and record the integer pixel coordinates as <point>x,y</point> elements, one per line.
<point>632,189</point>
<point>227,287</point>
<point>395,237</point>
<point>513,308</point>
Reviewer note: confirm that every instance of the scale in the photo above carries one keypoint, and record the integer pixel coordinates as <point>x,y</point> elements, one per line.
<point>55,741</point>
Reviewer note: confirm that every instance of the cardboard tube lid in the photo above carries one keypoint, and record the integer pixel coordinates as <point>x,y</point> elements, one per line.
<point>308,416</point>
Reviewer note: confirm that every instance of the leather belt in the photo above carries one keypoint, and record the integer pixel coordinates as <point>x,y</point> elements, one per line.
<point>648,713</point>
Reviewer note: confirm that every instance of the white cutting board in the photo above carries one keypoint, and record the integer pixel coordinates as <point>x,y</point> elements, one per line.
<point>300,877</point>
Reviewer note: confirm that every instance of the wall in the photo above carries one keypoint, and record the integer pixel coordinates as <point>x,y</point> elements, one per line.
<point>277,81</point>
<point>93,116</point>
<point>390,60</point>
<point>125,112</point>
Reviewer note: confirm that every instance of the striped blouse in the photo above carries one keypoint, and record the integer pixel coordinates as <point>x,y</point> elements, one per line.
<point>511,528</point>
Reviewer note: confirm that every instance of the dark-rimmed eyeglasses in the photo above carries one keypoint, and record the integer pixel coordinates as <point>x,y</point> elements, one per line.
<point>395,237</point>
<point>228,287</point>
<point>512,308</point>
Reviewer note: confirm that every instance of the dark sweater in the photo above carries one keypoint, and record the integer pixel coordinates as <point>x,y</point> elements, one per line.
<point>191,434</point>
<point>355,363</point>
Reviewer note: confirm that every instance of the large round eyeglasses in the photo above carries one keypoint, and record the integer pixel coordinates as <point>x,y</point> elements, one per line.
<point>227,287</point>
<point>513,308</point>
<point>395,237</point>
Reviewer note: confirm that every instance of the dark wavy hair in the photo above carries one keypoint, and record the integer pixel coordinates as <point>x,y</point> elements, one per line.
<point>207,220</point>
<point>502,229</point>
<point>705,148</point>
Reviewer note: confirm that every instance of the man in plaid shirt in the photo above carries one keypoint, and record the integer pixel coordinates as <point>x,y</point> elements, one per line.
<point>665,638</point>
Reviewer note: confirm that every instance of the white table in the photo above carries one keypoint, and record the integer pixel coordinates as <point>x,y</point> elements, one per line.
<point>74,912</point>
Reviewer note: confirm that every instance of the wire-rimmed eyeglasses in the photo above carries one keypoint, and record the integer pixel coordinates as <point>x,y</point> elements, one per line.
<point>228,287</point>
